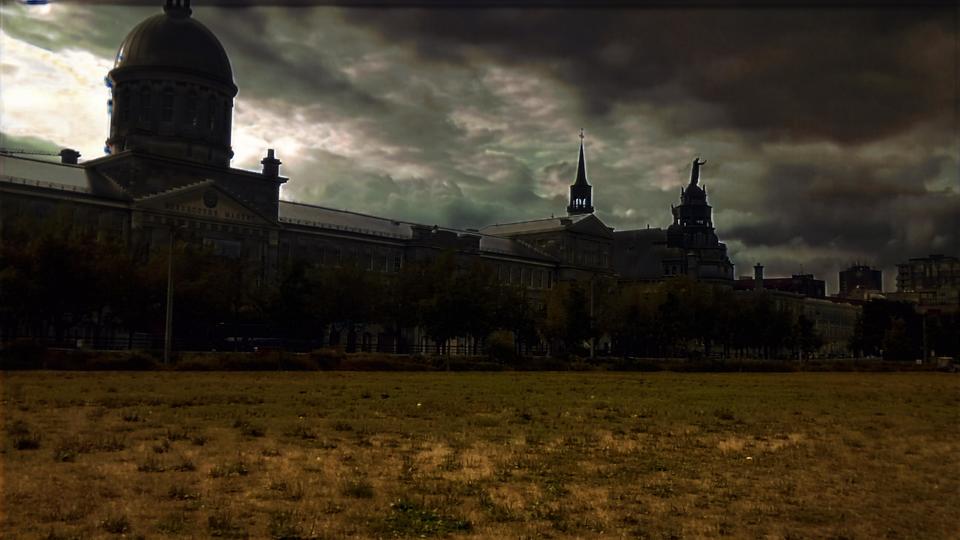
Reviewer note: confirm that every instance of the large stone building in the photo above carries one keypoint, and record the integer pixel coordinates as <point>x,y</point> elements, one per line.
<point>167,172</point>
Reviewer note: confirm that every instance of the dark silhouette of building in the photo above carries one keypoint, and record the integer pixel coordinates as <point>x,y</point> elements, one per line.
<point>928,273</point>
<point>929,281</point>
<point>860,281</point>
<point>689,246</point>
<point>167,172</point>
<point>801,284</point>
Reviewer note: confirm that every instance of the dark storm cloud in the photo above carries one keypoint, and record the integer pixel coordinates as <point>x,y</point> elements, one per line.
<point>829,134</point>
<point>277,67</point>
<point>848,76</point>
<point>855,210</point>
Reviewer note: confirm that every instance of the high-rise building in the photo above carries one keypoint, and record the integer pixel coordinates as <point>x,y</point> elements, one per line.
<point>928,273</point>
<point>860,281</point>
<point>930,281</point>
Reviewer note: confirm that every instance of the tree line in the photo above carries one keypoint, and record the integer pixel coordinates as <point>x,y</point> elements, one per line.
<point>55,279</point>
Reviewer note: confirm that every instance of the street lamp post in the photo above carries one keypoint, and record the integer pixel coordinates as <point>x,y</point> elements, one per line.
<point>168,325</point>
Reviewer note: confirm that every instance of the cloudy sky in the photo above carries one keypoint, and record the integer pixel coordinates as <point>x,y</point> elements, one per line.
<point>830,135</point>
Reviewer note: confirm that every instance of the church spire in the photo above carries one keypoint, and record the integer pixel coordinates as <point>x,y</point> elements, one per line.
<point>581,165</point>
<point>581,193</point>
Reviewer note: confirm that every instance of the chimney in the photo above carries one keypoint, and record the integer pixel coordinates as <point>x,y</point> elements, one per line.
<point>271,165</point>
<point>758,277</point>
<point>69,156</point>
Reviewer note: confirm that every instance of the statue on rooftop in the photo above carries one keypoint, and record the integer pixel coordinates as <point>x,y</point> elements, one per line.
<point>695,173</point>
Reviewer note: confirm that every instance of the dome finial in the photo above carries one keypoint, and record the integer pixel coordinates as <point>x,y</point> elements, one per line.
<point>177,8</point>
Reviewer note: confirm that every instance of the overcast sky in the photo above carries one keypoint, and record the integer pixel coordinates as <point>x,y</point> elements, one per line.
<point>830,135</point>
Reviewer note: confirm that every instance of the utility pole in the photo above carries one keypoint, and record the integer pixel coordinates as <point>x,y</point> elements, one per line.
<point>592,323</point>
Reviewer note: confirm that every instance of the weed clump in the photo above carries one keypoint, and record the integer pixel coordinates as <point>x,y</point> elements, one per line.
<point>22,437</point>
<point>357,488</point>
<point>163,447</point>
<point>198,440</point>
<point>26,442</point>
<point>181,493</point>
<point>301,431</point>
<point>177,434</point>
<point>237,468</point>
<point>118,524</point>
<point>284,524</point>
<point>342,426</point>
<point>152,464</point>
<point>175,523</point>
<point>248,429</point>
<point>111,443</point>
<point>68,448</point>
<point>287,490</point>
<point>221,525</point>
<point>724,413</point>
<point>408,518</point>
<point>185,465</point>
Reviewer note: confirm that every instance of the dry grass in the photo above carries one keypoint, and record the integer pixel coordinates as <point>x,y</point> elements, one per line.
<point>601,455</point>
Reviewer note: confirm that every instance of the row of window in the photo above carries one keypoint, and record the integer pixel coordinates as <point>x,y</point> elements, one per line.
<point>533,278</point>
<point>196,111</point>
<point>334,256</point>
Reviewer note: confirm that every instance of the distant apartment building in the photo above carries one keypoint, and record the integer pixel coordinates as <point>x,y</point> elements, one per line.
<point>860,282</point>
<point>930,282</point>
<point>802,284</point>
<point>834,319</point>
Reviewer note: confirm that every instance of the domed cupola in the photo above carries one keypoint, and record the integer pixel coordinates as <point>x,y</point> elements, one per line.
<point>173,90</point>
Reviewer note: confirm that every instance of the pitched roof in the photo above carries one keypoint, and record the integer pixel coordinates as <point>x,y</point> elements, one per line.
<point>534,226</point>
<point>43,173</point>
<point>328,218</point>
<point>309,215</point>
<point>509,246</point>
<point>54,175</point>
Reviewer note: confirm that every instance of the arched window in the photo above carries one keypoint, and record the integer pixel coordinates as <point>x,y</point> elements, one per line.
<point>211,112</point>
<point>192,114</point>
<point>225,123</point>
<point>145,98</point>
<point>166,105</point>
<point>123,102</point>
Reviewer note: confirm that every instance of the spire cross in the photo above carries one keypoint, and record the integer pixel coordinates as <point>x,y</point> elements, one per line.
<point>581,134</point>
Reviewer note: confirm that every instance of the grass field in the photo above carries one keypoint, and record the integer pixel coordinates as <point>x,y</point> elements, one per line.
<point>505,455</point>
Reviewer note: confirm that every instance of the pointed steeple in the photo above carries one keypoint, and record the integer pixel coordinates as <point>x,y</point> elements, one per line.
<point>581,166</point>
<point>581,193</point>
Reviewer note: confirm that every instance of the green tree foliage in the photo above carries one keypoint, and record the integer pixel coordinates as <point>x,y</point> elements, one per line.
<point>54,276</point>
<point>875,327</point>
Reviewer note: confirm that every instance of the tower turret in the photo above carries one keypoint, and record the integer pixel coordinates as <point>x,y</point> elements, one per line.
<point>699,253</point>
